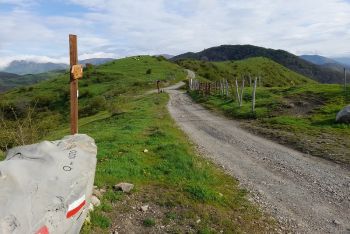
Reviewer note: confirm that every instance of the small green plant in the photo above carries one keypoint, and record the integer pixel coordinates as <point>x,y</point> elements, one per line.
<point>149,71</point>
<point>100,220</point>
<point>149,222</point>
<point>171,215</point>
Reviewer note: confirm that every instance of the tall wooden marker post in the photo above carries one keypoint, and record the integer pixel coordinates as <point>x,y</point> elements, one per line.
<point>76,72</point>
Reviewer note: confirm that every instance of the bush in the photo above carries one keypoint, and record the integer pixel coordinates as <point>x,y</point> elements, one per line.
<point>94,105</point>
<point>19,130</point>
<point>149,222</point>
<point>114,109</point>
<point>149,71</point>
<point>85,94</point>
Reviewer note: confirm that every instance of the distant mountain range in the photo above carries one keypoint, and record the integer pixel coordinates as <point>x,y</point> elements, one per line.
<point>167,56</point>
<point>342,60</point>
<point>22,67</point>
<point>96,61</point>
<point>329,63</point>
<point>238,52</point>
<point>317,59</point>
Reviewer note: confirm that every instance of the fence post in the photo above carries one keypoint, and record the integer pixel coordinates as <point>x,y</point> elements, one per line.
<point>73,54</point>
<point>242,93</point>
<point>237,93</point>
<point>253,96</point>
<point>227,90</point>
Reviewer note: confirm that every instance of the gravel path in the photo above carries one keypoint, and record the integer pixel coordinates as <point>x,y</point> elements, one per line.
<point>306,194</point>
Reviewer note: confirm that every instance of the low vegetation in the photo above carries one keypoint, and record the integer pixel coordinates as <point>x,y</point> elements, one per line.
<point>284,58</point>
<point>302,117</point>
<point>272,74</point>
<point>185,193</point>
<point>9,80</point>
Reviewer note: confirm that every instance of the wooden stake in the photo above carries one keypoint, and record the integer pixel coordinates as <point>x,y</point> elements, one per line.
<point>242,93</point>
<point>253,96</point>
<point>237,93</point>
<point>73,54</point>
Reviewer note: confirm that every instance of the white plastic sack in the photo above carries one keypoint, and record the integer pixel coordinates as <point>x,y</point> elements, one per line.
<point>46,187</point>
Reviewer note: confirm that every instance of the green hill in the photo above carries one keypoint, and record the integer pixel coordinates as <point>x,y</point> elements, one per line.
<point>10,80</point>
<point>291,61</point>
<point>272,74</point>
<point>115,110</point>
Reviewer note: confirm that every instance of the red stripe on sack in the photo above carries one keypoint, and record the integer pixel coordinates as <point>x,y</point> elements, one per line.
<point>43,230</point>
<point>75,210</point>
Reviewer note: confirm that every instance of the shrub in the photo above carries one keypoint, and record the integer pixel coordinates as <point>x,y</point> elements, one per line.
<point>85,94</point>
<point>93,106</point>
<point>149,222</point>
<point>149,71</point>
<point>114,109</point>
<point>19,131</point>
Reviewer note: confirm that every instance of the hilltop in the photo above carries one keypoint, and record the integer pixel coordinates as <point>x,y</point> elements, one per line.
<point>291,61</point>
<point>272,73</point>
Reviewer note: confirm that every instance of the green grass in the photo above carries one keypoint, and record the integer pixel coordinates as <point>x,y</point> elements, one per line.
<point>123,123</point>
<point>103,88</point>
<point>149,222</point>
<point>170,163</point>
<point>300,116</point>
<point>272,74</point>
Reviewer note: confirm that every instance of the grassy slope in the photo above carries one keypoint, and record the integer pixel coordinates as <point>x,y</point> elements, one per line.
<point>291,61</point>
<point>302,117</point>
<point>182,186</point>
<point>10,82</point>
<point>272,73</point>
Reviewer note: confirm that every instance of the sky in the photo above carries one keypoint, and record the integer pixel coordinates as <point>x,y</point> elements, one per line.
<point>38,30</point>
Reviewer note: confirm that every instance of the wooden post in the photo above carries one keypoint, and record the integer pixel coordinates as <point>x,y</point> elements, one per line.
<point>73,54</point>
<point>237,93</point>
<point>253,96</point>
<point>242,93</point>
<point>227,91</point>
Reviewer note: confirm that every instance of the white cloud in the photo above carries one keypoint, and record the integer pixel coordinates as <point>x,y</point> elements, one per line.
<point>39,59</point>
<point>118,28</point>
<point>97,55</point>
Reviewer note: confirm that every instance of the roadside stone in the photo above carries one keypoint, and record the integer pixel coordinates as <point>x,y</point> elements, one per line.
<point>95,201</point>
<point>336,222</point>
<point>97,193</point>
<point>91,207</point>
<point>125,187</point>
<point>144,208</point>
<point>343,116</point>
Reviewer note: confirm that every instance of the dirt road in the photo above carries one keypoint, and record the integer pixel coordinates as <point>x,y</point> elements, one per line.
<point>306,194</point>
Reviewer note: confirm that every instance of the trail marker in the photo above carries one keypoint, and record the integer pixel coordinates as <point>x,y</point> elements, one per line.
<point>76,72</point>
